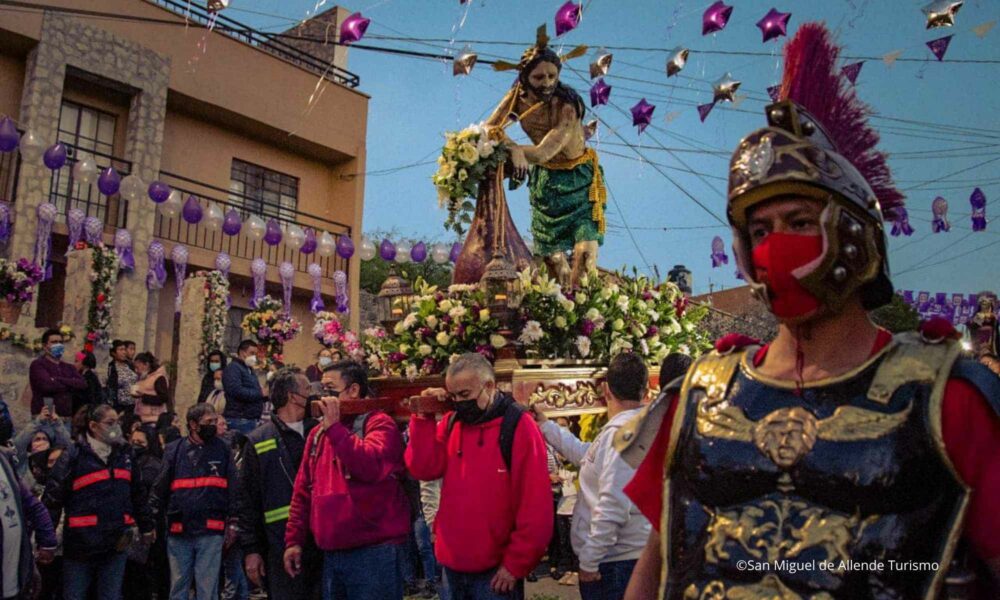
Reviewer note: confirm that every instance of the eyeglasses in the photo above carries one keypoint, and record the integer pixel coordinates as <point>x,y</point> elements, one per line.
<point>332,392</point>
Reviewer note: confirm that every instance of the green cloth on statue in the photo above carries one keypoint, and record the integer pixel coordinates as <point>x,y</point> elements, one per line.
<point>561,211</point>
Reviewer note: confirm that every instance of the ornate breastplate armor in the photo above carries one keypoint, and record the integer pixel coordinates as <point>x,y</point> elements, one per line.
<point>842,490</point>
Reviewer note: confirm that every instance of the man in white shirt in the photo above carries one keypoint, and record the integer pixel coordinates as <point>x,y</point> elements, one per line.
<point>608,531</point>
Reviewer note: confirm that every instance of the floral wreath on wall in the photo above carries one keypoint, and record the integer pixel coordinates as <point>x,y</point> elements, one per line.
<point>329,331</point>
<point>19,340</point>
<point>272,328</point>
<point>213,327</point>
<point>104,275</point>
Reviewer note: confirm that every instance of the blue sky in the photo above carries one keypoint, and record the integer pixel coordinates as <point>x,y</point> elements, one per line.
<point>415,100</point>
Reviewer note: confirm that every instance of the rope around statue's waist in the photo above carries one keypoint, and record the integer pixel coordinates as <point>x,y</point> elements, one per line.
<point>598,192</point>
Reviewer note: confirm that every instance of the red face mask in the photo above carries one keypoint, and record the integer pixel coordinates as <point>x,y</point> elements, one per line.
<point>774,261</point>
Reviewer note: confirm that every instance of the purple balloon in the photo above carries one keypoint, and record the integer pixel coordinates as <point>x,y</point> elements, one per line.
<point>55,157</point>
<point>192,212</point>
<point>309,246</point>
<point>345,247</point>
<point>9,137</point>
<point>273,235</point>
<point>387,250</point>
<point>232,224</point>
<point>159,192</point>
<point>353,28</point>
<point>109,181</point>
<point>568,17</point>
<point>715,18</point>
<point>419,252</point>
<point>456,251</point>
<point>774,24</point>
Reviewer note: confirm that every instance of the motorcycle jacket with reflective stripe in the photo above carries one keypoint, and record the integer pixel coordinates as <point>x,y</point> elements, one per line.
<point>199,486</point>
<point>101,500</point>
<point>269,472</point>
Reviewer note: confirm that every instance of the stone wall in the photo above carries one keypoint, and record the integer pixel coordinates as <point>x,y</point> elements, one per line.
<point>66,43</point>
<point>188,364</point>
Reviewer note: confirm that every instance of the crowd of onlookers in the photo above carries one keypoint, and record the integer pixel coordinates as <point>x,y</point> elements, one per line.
<point>281,483</point>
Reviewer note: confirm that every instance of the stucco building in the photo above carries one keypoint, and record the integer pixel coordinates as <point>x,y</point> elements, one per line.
<point>265,126</point>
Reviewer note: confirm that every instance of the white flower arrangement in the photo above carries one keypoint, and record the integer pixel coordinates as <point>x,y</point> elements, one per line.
<point>465,158</point>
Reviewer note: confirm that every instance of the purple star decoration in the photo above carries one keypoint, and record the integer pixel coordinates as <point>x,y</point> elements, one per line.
<point>568,17</point>
<point>773,92</point>
<point>774,24</point>
<point>704,109</point>
<point>978,202</point>
<point>852,70</point>
<point>353,28</point>
<point>715,17</point>
<point>642,114</point>
<point>600,92</point>
<point>939,46</point>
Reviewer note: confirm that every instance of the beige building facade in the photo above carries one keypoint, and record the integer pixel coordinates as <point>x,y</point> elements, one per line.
<point>244,120</point>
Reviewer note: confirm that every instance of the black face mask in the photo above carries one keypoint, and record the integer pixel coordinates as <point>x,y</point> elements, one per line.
<point>138,450</point>
<point>468,411</point>
<point>207,432</point>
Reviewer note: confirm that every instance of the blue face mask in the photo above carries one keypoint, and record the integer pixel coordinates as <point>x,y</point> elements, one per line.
<point>214,366</point>
<point>57,350</point>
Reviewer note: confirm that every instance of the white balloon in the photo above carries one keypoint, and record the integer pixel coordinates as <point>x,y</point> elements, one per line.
<point>440,254</point>
<point>255,227</point>
<point>367,249</point>
<point>213,217</point>
<point>403,249</point>
<point>31,147</point>
<point>132,188</point>
<point>85,169</point>
<point>326,245</point>
<point>172,206</point>
<point>294,237</point>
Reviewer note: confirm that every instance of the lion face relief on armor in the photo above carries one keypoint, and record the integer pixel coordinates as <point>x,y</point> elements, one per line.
<point>786,435</point>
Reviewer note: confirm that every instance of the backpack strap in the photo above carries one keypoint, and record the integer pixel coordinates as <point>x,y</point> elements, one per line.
<point>508,427</point>
<point>360,422</point>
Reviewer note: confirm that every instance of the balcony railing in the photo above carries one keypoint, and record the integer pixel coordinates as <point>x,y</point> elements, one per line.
<point>198,13</point>
<point>67,193</point>
<point>178,230</point>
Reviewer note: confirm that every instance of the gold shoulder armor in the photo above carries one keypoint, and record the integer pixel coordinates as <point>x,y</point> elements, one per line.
<point>911,359</point>
<point>712,372</point>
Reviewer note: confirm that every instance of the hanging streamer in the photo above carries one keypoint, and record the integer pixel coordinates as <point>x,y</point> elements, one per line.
<point>287,274</point>
<point>258,268</point>
<point>156,275</point>
<point>316,273</point>
<point>123,248</point>
<point>179,255</point>
<point>222,265</point>
<point>978,202</point>
<point>43,237</point>
<point>4,222</point>
<point>340,291</point>
<point>900,221</point>
<point>93,231</point>
<point>940,209</point>
<point>719,257</point>
<point>74,223</point>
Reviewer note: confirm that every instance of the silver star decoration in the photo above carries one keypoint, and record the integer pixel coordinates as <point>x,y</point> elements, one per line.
<point>590,129</point>
<point>676,60</point>
<point>463,63</point>
<point>941,13</point>
<point>601,64</point>
<point>725,88</point>
<point>217,5</point>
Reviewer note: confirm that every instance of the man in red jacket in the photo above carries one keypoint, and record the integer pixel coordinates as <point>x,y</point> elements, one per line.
<point>495,517</point>
<point>348,497</point>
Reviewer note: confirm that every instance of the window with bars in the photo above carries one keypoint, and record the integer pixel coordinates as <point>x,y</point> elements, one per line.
<point>88,130</point>
<point>262,191</point>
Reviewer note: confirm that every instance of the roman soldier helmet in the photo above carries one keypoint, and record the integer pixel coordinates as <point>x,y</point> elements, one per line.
<point>817,144</point>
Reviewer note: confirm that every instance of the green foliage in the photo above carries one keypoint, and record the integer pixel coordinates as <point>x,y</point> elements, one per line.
<point>897,316</point>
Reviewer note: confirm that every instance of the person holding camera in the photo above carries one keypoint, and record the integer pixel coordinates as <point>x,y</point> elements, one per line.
<point>270,465</point>
<point>98,485</point>
<point>348,494</point>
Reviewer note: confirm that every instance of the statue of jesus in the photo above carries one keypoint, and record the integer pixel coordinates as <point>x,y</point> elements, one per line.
<point>565,181</point>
